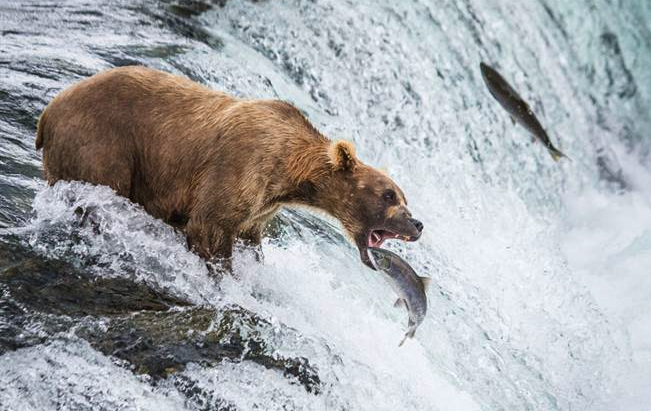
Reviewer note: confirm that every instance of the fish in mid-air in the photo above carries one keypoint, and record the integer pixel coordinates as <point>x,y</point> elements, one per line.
<point>406,283</point>
<point>516,107</point>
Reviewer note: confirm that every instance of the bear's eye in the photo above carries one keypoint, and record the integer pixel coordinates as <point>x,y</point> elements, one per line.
<point>389,196</point>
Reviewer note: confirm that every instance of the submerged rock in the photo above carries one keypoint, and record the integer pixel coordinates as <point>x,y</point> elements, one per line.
<point>162,343</point>
<point>157,334</point>
<point>54,287</point>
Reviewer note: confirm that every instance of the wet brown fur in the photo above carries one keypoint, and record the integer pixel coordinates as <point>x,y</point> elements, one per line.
<point>210,164</point>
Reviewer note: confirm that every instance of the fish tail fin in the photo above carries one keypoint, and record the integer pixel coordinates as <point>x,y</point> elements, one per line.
<point>403,340</point>
<point>556,153</point>
<point>409,334</point>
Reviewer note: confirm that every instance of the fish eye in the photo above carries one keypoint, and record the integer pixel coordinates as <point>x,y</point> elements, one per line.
<point>389,196</point>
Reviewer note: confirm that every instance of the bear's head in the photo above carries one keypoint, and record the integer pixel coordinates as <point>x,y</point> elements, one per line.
<point>371,206</point>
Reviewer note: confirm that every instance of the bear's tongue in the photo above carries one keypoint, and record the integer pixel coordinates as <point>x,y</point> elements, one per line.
<point>377,237</point>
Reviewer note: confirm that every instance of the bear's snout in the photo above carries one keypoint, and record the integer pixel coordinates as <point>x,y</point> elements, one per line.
<point>419,226</point>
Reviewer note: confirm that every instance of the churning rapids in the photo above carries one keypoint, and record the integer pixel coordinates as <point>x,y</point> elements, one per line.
<point>541,293</point>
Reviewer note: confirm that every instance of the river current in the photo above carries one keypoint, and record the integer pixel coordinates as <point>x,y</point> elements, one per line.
<point>541,293</point>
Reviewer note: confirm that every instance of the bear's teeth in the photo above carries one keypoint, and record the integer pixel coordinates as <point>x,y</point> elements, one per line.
<point>375,239</point>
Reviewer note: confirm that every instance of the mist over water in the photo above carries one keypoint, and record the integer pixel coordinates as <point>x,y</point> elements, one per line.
<point>541,294</point>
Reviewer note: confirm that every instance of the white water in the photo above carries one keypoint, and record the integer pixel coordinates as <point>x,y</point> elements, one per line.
<point>66,376</point>
<point>541,291</point>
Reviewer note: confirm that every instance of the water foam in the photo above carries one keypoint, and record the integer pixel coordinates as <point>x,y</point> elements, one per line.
<point>538,300</point>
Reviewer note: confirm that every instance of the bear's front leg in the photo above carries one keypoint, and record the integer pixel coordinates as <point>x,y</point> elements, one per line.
<point>212,242</point>
<point>252,238</point>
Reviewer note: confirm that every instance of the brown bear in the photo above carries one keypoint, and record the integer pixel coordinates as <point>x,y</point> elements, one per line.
<point>214,166</point>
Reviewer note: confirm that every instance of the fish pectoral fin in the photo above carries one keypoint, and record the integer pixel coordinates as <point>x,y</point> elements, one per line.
<point>399,303</point>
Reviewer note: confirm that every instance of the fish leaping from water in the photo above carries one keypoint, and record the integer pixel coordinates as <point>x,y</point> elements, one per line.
<point>406,283</point>
<point>516,107</point>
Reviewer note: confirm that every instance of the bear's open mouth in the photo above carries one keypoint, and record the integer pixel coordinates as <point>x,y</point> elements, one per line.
<point>377,237</point>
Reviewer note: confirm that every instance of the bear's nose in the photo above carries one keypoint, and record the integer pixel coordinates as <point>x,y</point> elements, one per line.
<point>419,226</point>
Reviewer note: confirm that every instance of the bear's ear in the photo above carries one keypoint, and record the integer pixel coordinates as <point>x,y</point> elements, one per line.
<point>342,155</point>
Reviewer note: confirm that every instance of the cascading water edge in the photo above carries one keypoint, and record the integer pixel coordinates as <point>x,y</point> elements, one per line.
<point>540,296</point>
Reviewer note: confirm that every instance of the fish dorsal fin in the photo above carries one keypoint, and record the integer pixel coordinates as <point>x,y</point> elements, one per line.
<point>425,281</point>
<point>399,303</point>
